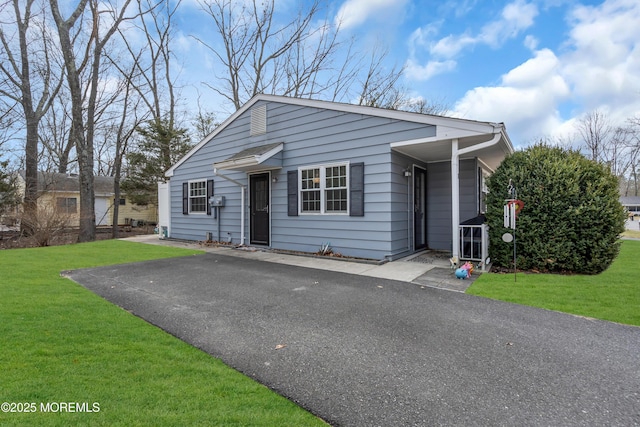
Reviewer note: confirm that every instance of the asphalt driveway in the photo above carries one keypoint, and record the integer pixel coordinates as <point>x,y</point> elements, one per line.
<point>362,351</point>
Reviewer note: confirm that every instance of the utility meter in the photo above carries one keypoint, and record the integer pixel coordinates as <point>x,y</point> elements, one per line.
<point>216,201</point>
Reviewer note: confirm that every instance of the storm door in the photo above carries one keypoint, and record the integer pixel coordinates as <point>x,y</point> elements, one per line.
<point>419,207</point>
<point>259,208</point>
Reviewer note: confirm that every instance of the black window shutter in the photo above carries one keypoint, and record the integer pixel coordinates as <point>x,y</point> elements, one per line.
<point>292,193</point>
<point>185,198</point>
<point>209,194</point>
<point>356,189</point>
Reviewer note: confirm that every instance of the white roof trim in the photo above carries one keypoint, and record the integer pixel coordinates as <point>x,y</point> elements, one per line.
<point>445,126</point>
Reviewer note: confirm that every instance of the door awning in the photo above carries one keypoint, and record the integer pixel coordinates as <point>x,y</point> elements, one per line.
<point>263,157</point>
<point>490,147</point>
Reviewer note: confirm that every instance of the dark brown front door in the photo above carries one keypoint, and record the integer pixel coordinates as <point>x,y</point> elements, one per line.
<point>419,208</point>
<point>259,208</point>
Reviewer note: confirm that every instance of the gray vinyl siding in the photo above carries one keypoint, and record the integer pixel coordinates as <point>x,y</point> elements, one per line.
<point>439,200</point>
<point>468,177</point>
<point>402,204</point>
<point>311,136</point>
<point>439,206</point>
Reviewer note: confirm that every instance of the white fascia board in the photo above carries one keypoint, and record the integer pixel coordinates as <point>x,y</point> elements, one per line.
<point>266,156</point>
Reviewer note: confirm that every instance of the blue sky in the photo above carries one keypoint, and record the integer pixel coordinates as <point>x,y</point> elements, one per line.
<point>537,66</point>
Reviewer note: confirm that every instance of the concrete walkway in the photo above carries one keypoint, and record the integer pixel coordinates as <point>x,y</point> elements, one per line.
<point>437,273</point>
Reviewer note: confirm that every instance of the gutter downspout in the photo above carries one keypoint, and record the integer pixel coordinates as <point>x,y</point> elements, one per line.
<point>455,199</point>
<point>242,204</point>
<point>455,183</point>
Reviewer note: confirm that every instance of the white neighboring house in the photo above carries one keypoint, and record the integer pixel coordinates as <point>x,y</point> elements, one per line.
<point>632,205</point>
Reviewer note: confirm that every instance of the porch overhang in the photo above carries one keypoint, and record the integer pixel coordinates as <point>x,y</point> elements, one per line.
<point>490,144</point>
<point>264,157</point>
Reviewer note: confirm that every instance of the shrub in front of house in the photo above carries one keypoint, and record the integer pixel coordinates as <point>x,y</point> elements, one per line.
<point>572,217</point>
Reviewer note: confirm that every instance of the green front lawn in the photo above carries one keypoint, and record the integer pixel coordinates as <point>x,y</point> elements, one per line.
<point>612,295</point>
<point>60,343</point>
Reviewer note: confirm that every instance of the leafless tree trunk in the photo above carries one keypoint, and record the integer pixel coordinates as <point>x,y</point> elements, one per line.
<point>129,121</point>
<point>93,54</point>
<point>21,87</point>
<point>84,149</point>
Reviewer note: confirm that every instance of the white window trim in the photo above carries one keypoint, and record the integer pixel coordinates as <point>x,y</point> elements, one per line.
<point>189,197</point>
<point>323,167</point>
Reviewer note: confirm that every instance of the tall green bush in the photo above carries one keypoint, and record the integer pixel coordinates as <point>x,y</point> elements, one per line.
<point>572,217</point>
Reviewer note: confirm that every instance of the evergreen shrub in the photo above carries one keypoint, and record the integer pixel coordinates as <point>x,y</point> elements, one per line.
<point>572,217</point>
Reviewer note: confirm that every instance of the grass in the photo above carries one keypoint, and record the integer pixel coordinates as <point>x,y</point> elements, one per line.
<point>62,343</point>
<point>612,295</point>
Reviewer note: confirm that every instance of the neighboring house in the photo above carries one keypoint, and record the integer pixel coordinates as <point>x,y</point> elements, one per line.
<point>60,193</point>
<point>296,174</point>
<point>631,204</point>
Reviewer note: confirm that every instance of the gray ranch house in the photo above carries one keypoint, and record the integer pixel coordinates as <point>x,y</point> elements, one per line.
<point>295,174</point>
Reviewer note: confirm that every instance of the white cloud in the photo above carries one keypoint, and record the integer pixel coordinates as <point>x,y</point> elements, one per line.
<point>531,42</point>
<point>356,12</point>
<point>450,46</point>
<point>603,58</point>
<point>598,67</point>
<point>417,72</point>
<point>526,100</point>
<point>515,18</point>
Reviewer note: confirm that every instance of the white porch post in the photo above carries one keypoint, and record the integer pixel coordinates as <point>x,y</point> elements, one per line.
<point>455,198</point>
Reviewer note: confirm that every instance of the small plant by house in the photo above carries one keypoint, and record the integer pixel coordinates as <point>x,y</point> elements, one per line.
<point>572,218</point>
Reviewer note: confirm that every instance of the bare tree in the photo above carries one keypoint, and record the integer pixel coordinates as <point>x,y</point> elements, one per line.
<point>303,58</point>
<point>633,126</point>
<point>152,60</point>
<point>124,134</point>
<point>55,138</point>
<point>379,87</point>
<point>82,131</point>
<point>607,143</point>
<point>260,56</point>
<point>204,123</point>
<point>84,151</point>
<point>595,130</point>
<point>30,82</point>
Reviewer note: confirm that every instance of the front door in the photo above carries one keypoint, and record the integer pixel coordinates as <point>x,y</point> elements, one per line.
<point>259,208</point>
<point>419,208</point>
